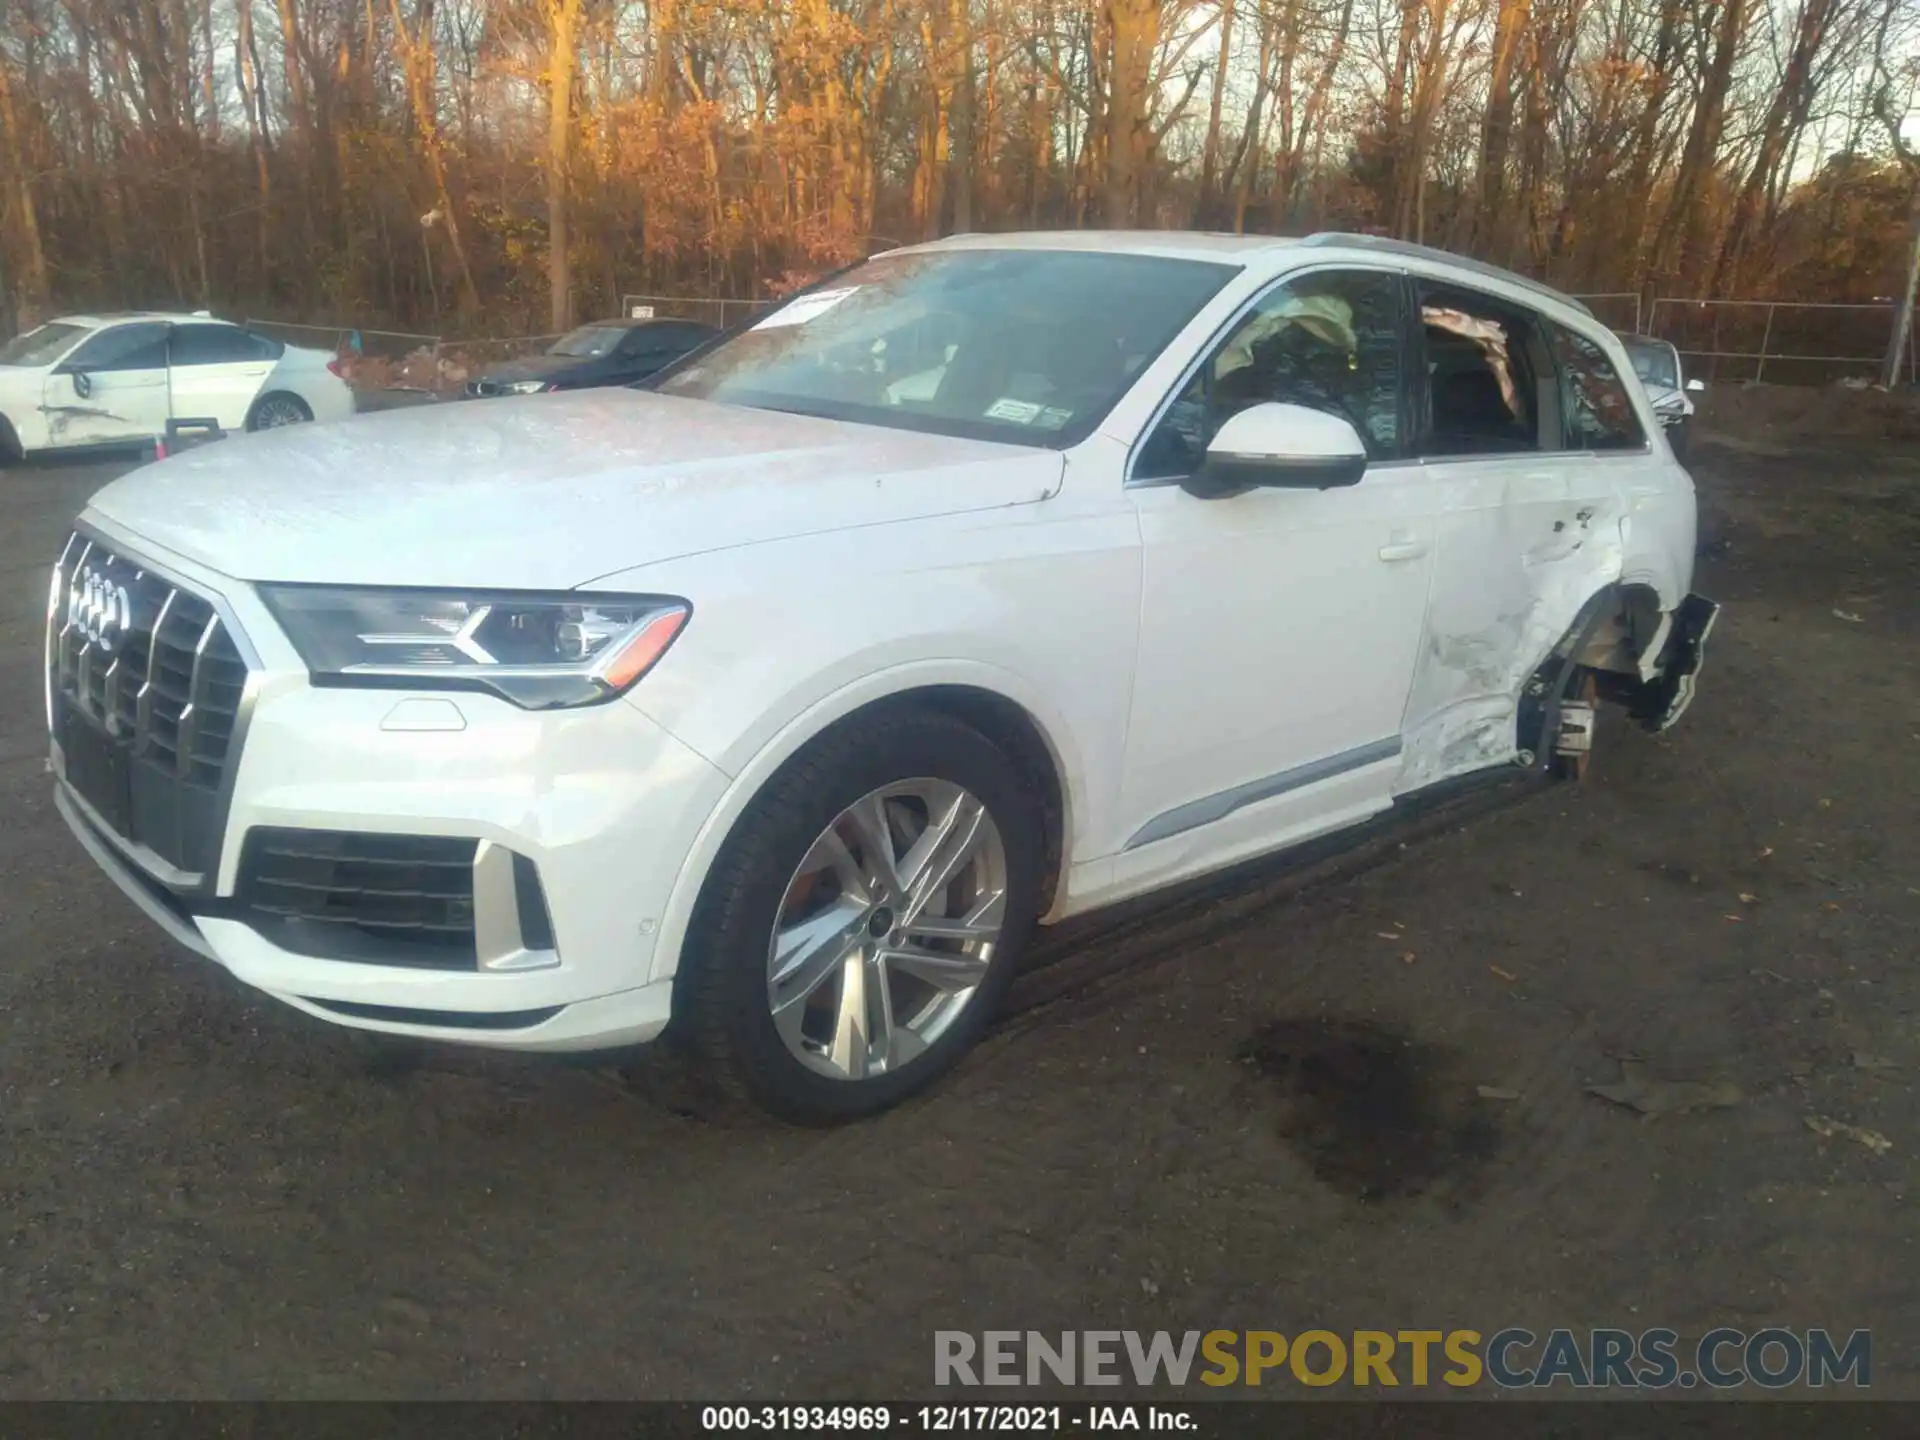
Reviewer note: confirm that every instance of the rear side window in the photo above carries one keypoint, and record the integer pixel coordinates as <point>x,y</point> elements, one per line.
<point>1598,410</point>
<point>1483,392</point>
<point>217,345</point>
<point>125,347</point>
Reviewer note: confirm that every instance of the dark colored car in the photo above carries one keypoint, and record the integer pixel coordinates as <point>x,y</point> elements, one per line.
<point>606,352</point>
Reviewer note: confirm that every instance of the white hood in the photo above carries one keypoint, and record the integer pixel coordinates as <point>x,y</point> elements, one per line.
<point>546,491</point>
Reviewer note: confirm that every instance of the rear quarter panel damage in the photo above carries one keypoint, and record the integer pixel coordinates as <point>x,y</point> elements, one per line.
<point>1507,591</point>
<point>1501,602</point>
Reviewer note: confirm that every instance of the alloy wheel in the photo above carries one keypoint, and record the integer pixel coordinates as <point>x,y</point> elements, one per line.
<point>887,929</point>
<point>277,412</point>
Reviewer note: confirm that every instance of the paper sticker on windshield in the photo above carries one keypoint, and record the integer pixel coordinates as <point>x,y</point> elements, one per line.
<point>1051,419</point>
<point>1021,412</point>
<point>807,307</point>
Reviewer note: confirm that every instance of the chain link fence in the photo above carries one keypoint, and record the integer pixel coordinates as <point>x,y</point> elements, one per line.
<point>1780,342</point>
<point>1618,310</point>
<point>476,353</point>
<point>393,345</point>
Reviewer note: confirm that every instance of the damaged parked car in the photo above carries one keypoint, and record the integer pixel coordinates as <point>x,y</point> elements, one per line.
<point>117,380</point>
<point>772,706</point>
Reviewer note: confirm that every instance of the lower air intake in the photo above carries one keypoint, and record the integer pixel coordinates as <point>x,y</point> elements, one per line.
<point>376,899</point>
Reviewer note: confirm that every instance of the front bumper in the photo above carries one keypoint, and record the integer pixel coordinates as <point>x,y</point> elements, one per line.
<point>601,802</point>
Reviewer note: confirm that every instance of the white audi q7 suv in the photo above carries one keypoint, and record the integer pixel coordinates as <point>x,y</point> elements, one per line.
<point>990,582</point>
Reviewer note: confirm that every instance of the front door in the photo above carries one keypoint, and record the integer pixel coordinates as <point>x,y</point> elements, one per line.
<point>112,390</point>
<point>1278,627</point>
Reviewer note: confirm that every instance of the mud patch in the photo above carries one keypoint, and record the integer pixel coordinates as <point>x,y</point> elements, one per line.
<point>1375,1114</point>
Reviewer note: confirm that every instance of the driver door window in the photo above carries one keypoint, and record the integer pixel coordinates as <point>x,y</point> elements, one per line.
<point>1330,341</point>
<point>125,347</point>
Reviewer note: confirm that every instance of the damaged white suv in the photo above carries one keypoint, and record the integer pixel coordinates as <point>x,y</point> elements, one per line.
<point>987,583</point>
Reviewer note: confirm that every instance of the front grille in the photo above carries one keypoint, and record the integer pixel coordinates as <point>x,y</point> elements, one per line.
<point>144,684</point>
<point>381,899</point>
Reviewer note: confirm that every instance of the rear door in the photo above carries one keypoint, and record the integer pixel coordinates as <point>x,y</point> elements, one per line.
<point>1528,529</point>
<point>216,371</point>
<point>112,389</point>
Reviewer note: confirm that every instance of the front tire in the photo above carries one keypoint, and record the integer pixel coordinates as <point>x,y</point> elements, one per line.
<point>862,924</point>
<point>11,451</point>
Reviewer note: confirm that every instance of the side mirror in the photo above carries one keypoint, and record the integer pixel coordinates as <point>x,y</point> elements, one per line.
<point>1280,446</point>
<point>1696,385</point>
<point>82,383</point>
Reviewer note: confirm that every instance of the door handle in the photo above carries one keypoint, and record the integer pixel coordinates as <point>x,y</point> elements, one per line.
<point>1403,550</point>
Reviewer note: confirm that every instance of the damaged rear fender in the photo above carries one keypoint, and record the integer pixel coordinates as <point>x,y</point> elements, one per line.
<point>1645,657</point>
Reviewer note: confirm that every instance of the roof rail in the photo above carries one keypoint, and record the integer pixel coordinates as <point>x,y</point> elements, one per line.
<point>1387,246</point>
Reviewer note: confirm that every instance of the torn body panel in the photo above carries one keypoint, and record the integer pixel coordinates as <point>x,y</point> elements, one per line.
<point>1658,691</point>
<point>1533,588</point>
<point>61,417</point>
<point>118,406</point>
<point>1523,549</point>
<point>1648,654</point>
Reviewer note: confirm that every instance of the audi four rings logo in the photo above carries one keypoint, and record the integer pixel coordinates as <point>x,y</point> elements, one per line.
<point>99,609</point>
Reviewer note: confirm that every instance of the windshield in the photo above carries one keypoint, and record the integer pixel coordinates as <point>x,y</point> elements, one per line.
<point>589,342</point>
<point>1654,363</point>
<point>42,346</point>
<point>1027,346</point>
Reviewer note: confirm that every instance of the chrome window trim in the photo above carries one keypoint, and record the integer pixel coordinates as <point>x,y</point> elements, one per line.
<point>1524,457</point>
<point>1431,255</point>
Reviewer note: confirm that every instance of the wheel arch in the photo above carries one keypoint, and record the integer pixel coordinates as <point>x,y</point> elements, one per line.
<point>994,702</point>
<point>1621,628</point>
<point>1618,634</point>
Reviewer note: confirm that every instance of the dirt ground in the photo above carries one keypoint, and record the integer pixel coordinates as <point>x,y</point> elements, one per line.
<point>1257,1108</point>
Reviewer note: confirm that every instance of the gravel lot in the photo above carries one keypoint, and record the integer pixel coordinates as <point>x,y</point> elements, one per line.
<point>204,1194</point>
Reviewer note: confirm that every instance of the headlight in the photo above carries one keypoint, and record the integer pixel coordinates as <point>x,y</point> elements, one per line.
<point>526,387</point>
<point>541,652</point>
